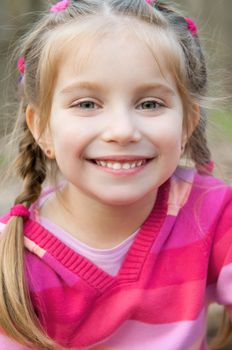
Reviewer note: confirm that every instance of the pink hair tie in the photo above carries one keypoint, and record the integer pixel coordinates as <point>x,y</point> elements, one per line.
<point>59,6</point>
<point>206,169</point>
<point>192,27</point>
<point>21,65</point>
<point>20,210</point>
<point>151,2</point>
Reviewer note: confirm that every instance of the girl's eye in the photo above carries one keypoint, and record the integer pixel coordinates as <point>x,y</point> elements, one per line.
<point>149,105</point>
<point>85,105</point>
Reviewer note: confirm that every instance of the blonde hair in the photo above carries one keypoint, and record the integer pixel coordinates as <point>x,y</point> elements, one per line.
<point>42,52</point>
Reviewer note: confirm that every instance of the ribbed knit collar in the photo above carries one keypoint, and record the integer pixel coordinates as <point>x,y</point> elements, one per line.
<point>88,271</point>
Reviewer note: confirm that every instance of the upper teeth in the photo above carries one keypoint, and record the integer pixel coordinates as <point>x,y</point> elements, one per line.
<point>121,165</point>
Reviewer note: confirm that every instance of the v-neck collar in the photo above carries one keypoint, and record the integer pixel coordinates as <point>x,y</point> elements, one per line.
<point>87,270</point>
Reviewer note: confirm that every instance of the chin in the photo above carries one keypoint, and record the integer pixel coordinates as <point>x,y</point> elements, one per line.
<point>122,200</point>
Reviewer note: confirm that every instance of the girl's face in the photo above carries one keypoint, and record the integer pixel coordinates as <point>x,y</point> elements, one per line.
<point>116,121</point>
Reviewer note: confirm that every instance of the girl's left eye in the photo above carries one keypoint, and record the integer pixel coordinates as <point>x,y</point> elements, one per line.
<point>85,105</point>
<point>149,105</point>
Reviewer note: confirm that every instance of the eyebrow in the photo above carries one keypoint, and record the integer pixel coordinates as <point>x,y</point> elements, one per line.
<point>93,86</point>
<point>81,85</point>
<point>156,86</point>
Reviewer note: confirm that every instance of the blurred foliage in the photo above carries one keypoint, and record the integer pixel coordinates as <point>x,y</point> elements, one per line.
<point>223,119</point>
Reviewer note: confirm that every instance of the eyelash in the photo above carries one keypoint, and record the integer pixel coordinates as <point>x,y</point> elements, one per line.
<point>89,102</point>
<point>157,104</point>
<point>77,105</point>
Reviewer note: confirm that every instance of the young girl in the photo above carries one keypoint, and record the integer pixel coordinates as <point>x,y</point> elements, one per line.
<point>126,248</point>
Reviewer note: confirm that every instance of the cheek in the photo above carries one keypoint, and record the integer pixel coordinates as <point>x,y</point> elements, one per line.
<point>169,135</point>
<point>70,142</point>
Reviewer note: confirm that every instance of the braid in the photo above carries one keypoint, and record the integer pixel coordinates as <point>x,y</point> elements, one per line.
<point>200,152</point>
<point>31,167</point>
<point>196,81</point>
<point>14,294</point>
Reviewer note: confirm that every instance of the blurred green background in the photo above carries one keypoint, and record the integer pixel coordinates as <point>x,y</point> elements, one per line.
<point>214,19</point>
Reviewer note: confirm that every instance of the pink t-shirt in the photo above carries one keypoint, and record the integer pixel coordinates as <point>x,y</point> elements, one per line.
<point>109,260</point>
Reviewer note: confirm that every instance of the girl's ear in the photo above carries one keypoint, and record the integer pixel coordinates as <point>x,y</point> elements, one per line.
<point>42,137</point>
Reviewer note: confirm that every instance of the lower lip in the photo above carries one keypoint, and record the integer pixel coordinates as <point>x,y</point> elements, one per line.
<point>121,172</point>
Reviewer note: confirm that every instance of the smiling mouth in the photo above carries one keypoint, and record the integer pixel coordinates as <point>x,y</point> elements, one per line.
<point>120,165</point>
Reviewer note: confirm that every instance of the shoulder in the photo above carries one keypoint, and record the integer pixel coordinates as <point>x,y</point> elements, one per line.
<point>205,187</point>
<point>3,221</point>
<point>211,204</point>
<point>189,189</point>
<point>2,226</point>
<point>212,191</point>
<point>9,344</point>
<point>202,199</point>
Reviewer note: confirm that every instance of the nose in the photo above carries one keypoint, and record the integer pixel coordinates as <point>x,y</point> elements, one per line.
<point>121,128</point>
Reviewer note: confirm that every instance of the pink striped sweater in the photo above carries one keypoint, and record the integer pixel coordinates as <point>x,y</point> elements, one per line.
<point>179,262</point>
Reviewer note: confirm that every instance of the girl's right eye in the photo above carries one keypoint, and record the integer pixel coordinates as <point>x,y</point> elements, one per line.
<point>85,105</point>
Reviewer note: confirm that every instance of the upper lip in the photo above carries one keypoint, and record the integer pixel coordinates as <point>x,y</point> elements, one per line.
<point>122,157</point>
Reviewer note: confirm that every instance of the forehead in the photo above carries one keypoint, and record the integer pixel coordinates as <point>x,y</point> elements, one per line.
<point>76,47</point>
<point>132,45</point>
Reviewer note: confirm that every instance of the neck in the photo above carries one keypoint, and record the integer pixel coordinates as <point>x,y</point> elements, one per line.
<point>97,224</point>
